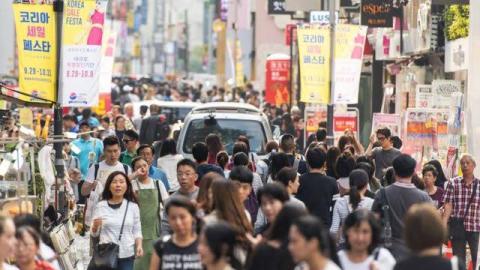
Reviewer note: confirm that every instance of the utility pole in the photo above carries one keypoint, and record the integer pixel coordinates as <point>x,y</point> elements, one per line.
<point>187,44</point>
<point>60,203</point>
<point>331,107</point>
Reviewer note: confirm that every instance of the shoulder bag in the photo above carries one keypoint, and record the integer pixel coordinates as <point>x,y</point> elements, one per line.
<point>456,224</point>
<point>105,256</point>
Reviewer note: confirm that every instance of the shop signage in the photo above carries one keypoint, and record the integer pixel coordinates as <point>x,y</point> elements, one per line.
<point>277,80</point>
<point>377,13</point>
<point>83,26</point>
<point>276,7</point>
<point>322,17</point>
<point>314,57</point>
<point>290,33</point>
<point>346,121</point>
<point>349,44</point>
<point>35,28</point>
<point>456,55</point>
<point>443,90</point>
<point>424,97</point>
<point>390,121</point>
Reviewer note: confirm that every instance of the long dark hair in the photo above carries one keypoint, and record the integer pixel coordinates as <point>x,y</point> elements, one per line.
<point>312,227</point>
<point>332,155</point>
<point>228,207</point>
<point>280,227</point>
<point>221,239</point>
<point>129,194</point>
<point>278,162</point>
<point>358,180</point>
<point>214,144</point>
<point>356,218</point>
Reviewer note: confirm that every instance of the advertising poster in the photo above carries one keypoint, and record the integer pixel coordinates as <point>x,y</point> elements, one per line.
<point>426,134</point>
<point>456,55</point>
<point>83,26</point>
<point>424,97</point>
<point>390,121</point>
<point>377,13</point>
<point>314,57</point>
<point>314,114</point>
<point>35,28</point>
<point>277,80</point>
<point>343,122</point>
<point>349,45</point>
<point>443,90</point>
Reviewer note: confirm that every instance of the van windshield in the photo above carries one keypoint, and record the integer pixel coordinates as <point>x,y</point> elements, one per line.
<point>228,130</point>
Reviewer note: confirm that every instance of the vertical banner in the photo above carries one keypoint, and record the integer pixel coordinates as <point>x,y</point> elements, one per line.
<point>277,80</point>
<point>314,54</point>
<point>390,121</point>
<point>349,45</point>
<point>106,71</point>
<point>83,24</point>
<point>35,26</point>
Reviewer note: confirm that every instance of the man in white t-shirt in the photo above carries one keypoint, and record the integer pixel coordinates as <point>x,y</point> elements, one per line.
<point>99,172</point>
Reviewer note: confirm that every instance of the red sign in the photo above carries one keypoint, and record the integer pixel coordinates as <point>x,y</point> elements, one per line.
<point>290,30</point>
<point>342,123</point>
<point>277,82</point>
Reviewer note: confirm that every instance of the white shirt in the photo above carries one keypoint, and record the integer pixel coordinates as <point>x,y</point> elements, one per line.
<point>7,266</point>
<point>49,254</point>
<point>112,223</point>
<point>168,164</point>
<point>385,261</point>
<point>341,210</point>
<point>104,170</point>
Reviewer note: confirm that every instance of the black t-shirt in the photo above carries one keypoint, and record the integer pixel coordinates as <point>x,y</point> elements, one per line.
<point>266,257</point>
<point>316,191</point>
<point>173,257</point>
<point>203,169</point>
<point>422,263</point>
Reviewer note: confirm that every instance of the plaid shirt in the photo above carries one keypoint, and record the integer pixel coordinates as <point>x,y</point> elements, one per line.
<point>458,193</point>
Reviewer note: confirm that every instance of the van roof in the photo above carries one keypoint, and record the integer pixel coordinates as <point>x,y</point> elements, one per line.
<point>226,107</point>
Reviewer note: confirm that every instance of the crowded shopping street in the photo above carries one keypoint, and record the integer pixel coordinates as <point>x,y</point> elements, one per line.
<point>239,135</point>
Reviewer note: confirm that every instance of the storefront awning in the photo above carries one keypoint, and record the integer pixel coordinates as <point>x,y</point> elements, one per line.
<point>7,93</point>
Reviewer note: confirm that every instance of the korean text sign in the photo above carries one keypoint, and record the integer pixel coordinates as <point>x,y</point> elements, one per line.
<point>35,26</point>
<point>314,53</point>
<point>83,29</point>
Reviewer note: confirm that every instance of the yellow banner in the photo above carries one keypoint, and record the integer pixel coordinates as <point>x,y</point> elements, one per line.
<point>78,20</point>
<point>35,26</point>
<point>314,54</point>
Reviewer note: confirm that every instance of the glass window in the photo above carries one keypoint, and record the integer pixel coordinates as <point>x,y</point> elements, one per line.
<point>228,130</point>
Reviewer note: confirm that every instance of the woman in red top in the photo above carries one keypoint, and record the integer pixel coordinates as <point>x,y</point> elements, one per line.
<point>214,145</point>
<point>28,245</point>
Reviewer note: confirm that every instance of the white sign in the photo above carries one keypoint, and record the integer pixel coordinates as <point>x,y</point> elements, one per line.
<point>322,17</point>
<point>456,55</point>
<point>424,97</point>
<point>443,90</point>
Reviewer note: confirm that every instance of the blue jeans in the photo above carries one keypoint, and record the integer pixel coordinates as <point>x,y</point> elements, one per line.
<point>126,263</point>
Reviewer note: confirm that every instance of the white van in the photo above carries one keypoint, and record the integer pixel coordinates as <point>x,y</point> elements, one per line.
<point>229,121</point>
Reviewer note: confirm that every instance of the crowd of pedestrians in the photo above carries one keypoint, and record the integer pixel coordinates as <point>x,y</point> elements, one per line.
<point>320,208</point>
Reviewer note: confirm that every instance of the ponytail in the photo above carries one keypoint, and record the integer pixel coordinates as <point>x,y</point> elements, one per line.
<point>354,196</point>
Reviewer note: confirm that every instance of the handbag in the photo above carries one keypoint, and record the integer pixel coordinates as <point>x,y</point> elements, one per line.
<point>456,224</point>
<point>105,256</point>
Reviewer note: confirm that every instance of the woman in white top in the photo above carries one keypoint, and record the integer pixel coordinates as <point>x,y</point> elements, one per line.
<point>309,242</point>
<point>8,240</point>
<point>168,162</point>
<point>358,182</point>
<point>362,233</point>
<point>118,201</point>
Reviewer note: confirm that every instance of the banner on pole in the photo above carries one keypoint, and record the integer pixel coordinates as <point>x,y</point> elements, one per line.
<point>36,34</point>
<point>314,54</point>
<point>349,45</point>
<point>83,26</point>
<point>277,82</point>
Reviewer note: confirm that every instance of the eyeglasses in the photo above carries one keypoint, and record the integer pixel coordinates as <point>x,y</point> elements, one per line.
<point>381,139</point>
<point>127,140</point>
